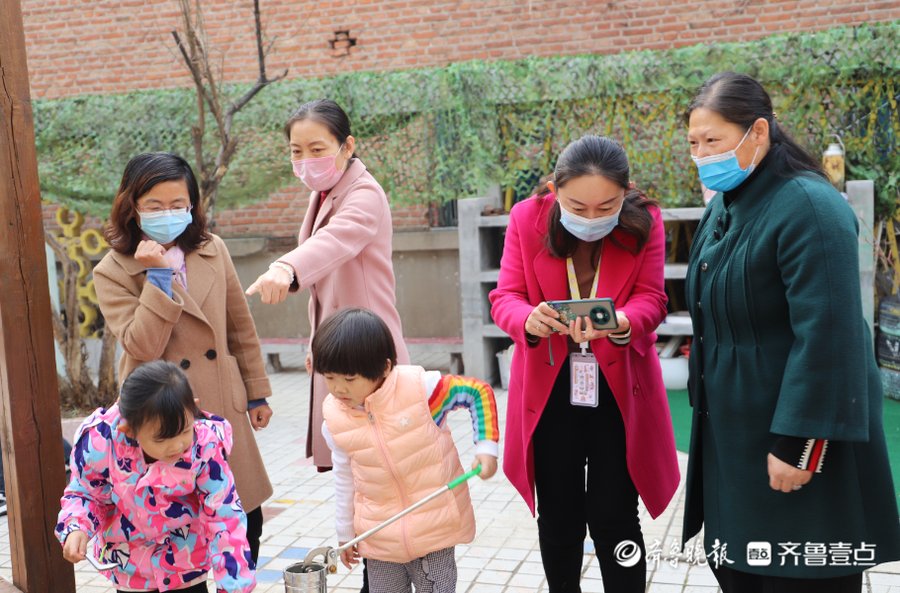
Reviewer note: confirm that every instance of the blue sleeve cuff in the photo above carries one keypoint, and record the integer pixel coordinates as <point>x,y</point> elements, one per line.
<point>161,278</point>
<point>255,403</point>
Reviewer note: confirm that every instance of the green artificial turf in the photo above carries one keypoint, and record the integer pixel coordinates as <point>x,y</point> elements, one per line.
<point>681,419</point>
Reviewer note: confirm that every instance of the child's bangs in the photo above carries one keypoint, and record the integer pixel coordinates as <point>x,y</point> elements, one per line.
<point>353,342</point>
<point>174,414</point>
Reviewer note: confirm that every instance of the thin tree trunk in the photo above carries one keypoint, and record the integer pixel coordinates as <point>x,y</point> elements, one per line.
<point>107,390</point>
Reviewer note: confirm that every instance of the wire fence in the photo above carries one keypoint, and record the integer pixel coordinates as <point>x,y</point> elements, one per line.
<point>432,135</point>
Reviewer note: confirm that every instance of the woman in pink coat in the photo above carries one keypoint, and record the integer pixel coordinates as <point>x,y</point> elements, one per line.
<point>344,252</point>
<point>590,234</point>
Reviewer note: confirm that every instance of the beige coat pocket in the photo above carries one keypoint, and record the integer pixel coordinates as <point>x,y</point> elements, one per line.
<point>236,384</point>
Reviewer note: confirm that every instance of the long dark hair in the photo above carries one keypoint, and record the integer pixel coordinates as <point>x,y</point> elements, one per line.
<point>143,173</point>
<point>741,100</point>
<point>158,390</point>
<point>327,113</point>
<point>597,155</point>
<point>353,342</point>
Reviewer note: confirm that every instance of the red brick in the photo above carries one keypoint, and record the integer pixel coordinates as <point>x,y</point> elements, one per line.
<point>77,47</point>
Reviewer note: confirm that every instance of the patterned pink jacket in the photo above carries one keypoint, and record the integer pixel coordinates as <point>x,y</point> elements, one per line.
<point>165,525</point>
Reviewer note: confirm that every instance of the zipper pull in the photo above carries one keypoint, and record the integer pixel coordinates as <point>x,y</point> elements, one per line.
<point>371,417</point>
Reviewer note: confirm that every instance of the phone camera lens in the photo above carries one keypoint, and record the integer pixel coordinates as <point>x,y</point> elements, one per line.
<point>599,315</point>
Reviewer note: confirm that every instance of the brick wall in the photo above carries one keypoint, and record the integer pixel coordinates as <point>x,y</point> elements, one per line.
<point>282,214</point>
<point>113,46</point>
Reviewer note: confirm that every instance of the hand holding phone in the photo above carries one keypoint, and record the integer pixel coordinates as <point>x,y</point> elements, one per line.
<point>601,312</point>
<point>543,321</point>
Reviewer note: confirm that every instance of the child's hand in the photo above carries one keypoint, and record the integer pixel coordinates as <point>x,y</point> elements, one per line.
<point>488,465</point>
<point>350,556</point>
<point>75,547</point>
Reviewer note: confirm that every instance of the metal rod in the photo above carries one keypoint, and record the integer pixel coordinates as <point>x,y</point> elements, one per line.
<point>393,519</point>
<point>409,509</point>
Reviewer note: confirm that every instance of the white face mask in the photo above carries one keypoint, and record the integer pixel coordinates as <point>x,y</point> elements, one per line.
<point>588,229</point>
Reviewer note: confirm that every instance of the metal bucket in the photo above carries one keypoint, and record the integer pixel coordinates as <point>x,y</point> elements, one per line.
<point>305,578</point>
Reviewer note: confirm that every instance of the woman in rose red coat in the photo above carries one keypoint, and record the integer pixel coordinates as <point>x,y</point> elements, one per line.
<point>344,251</point>
<point>589,217</point>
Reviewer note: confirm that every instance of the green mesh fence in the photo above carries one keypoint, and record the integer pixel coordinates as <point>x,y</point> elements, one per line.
<point>435,134</point>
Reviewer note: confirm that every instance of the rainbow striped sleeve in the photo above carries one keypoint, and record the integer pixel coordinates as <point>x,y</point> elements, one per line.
<point>453,392</point>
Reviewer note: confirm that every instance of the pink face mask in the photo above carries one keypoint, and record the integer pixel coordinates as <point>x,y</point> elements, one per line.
<point>319,174</point>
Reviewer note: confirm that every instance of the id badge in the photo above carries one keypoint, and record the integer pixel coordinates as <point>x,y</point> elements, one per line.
<point>584,390</point>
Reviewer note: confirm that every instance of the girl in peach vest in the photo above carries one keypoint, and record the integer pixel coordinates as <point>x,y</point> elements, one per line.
<point>385,425</point>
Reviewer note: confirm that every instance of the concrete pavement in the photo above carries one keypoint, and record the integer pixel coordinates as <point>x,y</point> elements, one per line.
<point>504,557</point>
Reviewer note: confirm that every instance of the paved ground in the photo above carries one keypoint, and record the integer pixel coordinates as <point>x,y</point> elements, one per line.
<point>504,557</point>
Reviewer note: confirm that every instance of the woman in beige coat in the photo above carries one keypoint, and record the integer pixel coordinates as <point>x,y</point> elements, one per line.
<point>168,290</point>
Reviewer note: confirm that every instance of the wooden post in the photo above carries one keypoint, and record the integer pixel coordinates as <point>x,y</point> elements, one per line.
<point>29,396</point>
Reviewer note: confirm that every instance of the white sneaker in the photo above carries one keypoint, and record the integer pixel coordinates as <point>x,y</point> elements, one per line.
<point>2,504</point>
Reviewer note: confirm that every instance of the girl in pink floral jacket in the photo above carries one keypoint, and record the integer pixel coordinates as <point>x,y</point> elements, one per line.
<point>150,480</point>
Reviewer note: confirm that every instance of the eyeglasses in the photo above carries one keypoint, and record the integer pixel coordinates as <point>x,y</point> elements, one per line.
<point>159,209</point>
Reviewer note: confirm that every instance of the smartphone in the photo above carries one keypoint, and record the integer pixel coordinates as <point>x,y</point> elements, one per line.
<point>601,312</point>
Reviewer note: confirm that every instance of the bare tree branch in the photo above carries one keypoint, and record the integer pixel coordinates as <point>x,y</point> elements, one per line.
<point>260,54</point>
<point>262,81</point>
<point>271,45</point>
<point>193,44</point>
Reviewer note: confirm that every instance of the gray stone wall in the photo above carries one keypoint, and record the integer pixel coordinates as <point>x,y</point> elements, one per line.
<point>426,266</point>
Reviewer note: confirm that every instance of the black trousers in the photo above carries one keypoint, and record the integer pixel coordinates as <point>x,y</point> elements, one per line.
<point>254,531</point>
<point>365,585</point>
<point>582,481</point>
<point>736,581</point>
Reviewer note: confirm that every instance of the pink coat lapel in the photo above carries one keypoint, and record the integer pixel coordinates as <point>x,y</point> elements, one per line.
<point>551,276</point>
<point>550,271</point>
<point>616,266</point>
<point>324,210</point>
<point>306,227</point>
<point>354,169</point>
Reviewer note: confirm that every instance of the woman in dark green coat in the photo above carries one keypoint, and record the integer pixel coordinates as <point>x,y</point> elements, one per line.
<point>788,466</point>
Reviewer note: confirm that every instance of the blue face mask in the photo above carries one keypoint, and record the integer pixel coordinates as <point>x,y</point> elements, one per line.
<point>722,172</point>
<point>165,226</point>
<point>588,229</point>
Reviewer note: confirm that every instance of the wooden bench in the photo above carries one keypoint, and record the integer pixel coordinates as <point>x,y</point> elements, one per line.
<point>273,348</point>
